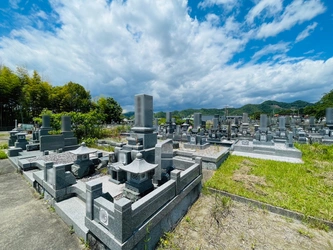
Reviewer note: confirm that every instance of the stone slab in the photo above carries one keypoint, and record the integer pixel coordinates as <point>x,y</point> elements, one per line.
<point>267,157</point>
<point>73,212</point>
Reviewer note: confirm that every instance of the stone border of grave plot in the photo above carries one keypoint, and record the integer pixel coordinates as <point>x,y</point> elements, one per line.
<point>273,209</point>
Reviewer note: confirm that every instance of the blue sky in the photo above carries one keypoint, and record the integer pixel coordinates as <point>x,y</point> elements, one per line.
<point>187,54</point>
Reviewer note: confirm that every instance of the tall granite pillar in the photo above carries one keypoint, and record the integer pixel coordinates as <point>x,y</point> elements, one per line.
<point>197,121</point>
<point>143,127</point>
<point>263,123</point>
<point>282,123</point>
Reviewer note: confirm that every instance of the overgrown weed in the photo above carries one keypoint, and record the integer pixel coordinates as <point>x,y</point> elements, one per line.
<point>305,188</point>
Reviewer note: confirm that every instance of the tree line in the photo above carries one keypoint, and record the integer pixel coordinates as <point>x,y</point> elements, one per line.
<point>24,97</point>
<point>319,108</point>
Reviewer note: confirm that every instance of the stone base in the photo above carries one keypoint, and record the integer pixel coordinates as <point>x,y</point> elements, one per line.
<point>327,141</point>
<point>196,146</point>
<point>278,149</point>
<point>266,143</point>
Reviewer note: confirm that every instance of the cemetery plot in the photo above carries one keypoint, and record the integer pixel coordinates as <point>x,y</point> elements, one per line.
<point>305,188</point>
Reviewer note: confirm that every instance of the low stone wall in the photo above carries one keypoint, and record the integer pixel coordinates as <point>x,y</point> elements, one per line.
<point>208,162</point>
<point>53,180</point>
<point>277,149</point>
<point>123,225</point>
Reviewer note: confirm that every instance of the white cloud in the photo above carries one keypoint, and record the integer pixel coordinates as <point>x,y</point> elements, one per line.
<point>297,12</point>
<point>270,7</point>
<point>154,47</point>
<point>226,3</point>
<point>271,49</point>
<point>14,3</point>
<point>305,33</point>
<point>309,52</point>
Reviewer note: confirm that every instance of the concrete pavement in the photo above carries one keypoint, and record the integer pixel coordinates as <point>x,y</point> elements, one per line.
<point>26,221</point>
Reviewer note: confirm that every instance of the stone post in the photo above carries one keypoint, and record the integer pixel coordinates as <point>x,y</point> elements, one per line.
<point>60,177</point>
<point>175,175</point>
<point>93,191</point>
<point>198,160</point>
<point>123,219</point>
<point>158,160</point>
<point>47,169</point>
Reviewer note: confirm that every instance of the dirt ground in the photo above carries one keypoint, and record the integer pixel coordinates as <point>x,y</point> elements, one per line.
<point>215,222</point>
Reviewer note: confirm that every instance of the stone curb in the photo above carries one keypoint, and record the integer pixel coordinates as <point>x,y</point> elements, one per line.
<point>274,209</point>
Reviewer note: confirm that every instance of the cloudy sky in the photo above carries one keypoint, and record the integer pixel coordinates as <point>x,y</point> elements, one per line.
<point>187,54</point>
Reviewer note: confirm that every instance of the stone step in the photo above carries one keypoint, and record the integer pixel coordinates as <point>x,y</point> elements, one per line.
<point>73,212</point>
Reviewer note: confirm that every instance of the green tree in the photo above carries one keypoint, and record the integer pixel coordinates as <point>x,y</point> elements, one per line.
<point>319,109</point>
<point>70,97</point>
<point>10,96</point>
<point>36,95</point>
<point>110,108</point>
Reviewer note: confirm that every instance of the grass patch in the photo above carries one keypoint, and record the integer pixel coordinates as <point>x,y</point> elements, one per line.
<point>305,233</point>
<point>51,209</point>
<point>306,188</point>
<point>4,146</point>
<point>3,154</point>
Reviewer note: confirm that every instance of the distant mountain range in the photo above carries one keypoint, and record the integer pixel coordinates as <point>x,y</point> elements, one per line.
<point>267,107</point>
<point>271,107</point>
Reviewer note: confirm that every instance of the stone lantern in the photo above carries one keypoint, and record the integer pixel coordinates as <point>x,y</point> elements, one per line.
<point>82,165</point>
<point>21,141</point>
<point>139,178</point>
<point>12,137</point>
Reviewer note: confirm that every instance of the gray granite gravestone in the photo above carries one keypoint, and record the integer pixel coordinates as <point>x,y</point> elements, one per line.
<point>329,117</point>
<point>263,123</point>
<point>197,122</point>
<point>45,128</point>
<point>163,158</point>
<point>143,127</point>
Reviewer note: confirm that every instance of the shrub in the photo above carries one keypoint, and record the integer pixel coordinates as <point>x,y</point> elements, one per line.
<point>3,155</point>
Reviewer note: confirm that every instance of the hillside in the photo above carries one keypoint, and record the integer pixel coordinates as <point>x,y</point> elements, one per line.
<point>270,107</point>
<point>267,107</point>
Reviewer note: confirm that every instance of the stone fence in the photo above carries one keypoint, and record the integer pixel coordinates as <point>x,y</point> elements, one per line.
<point>124,225</point>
